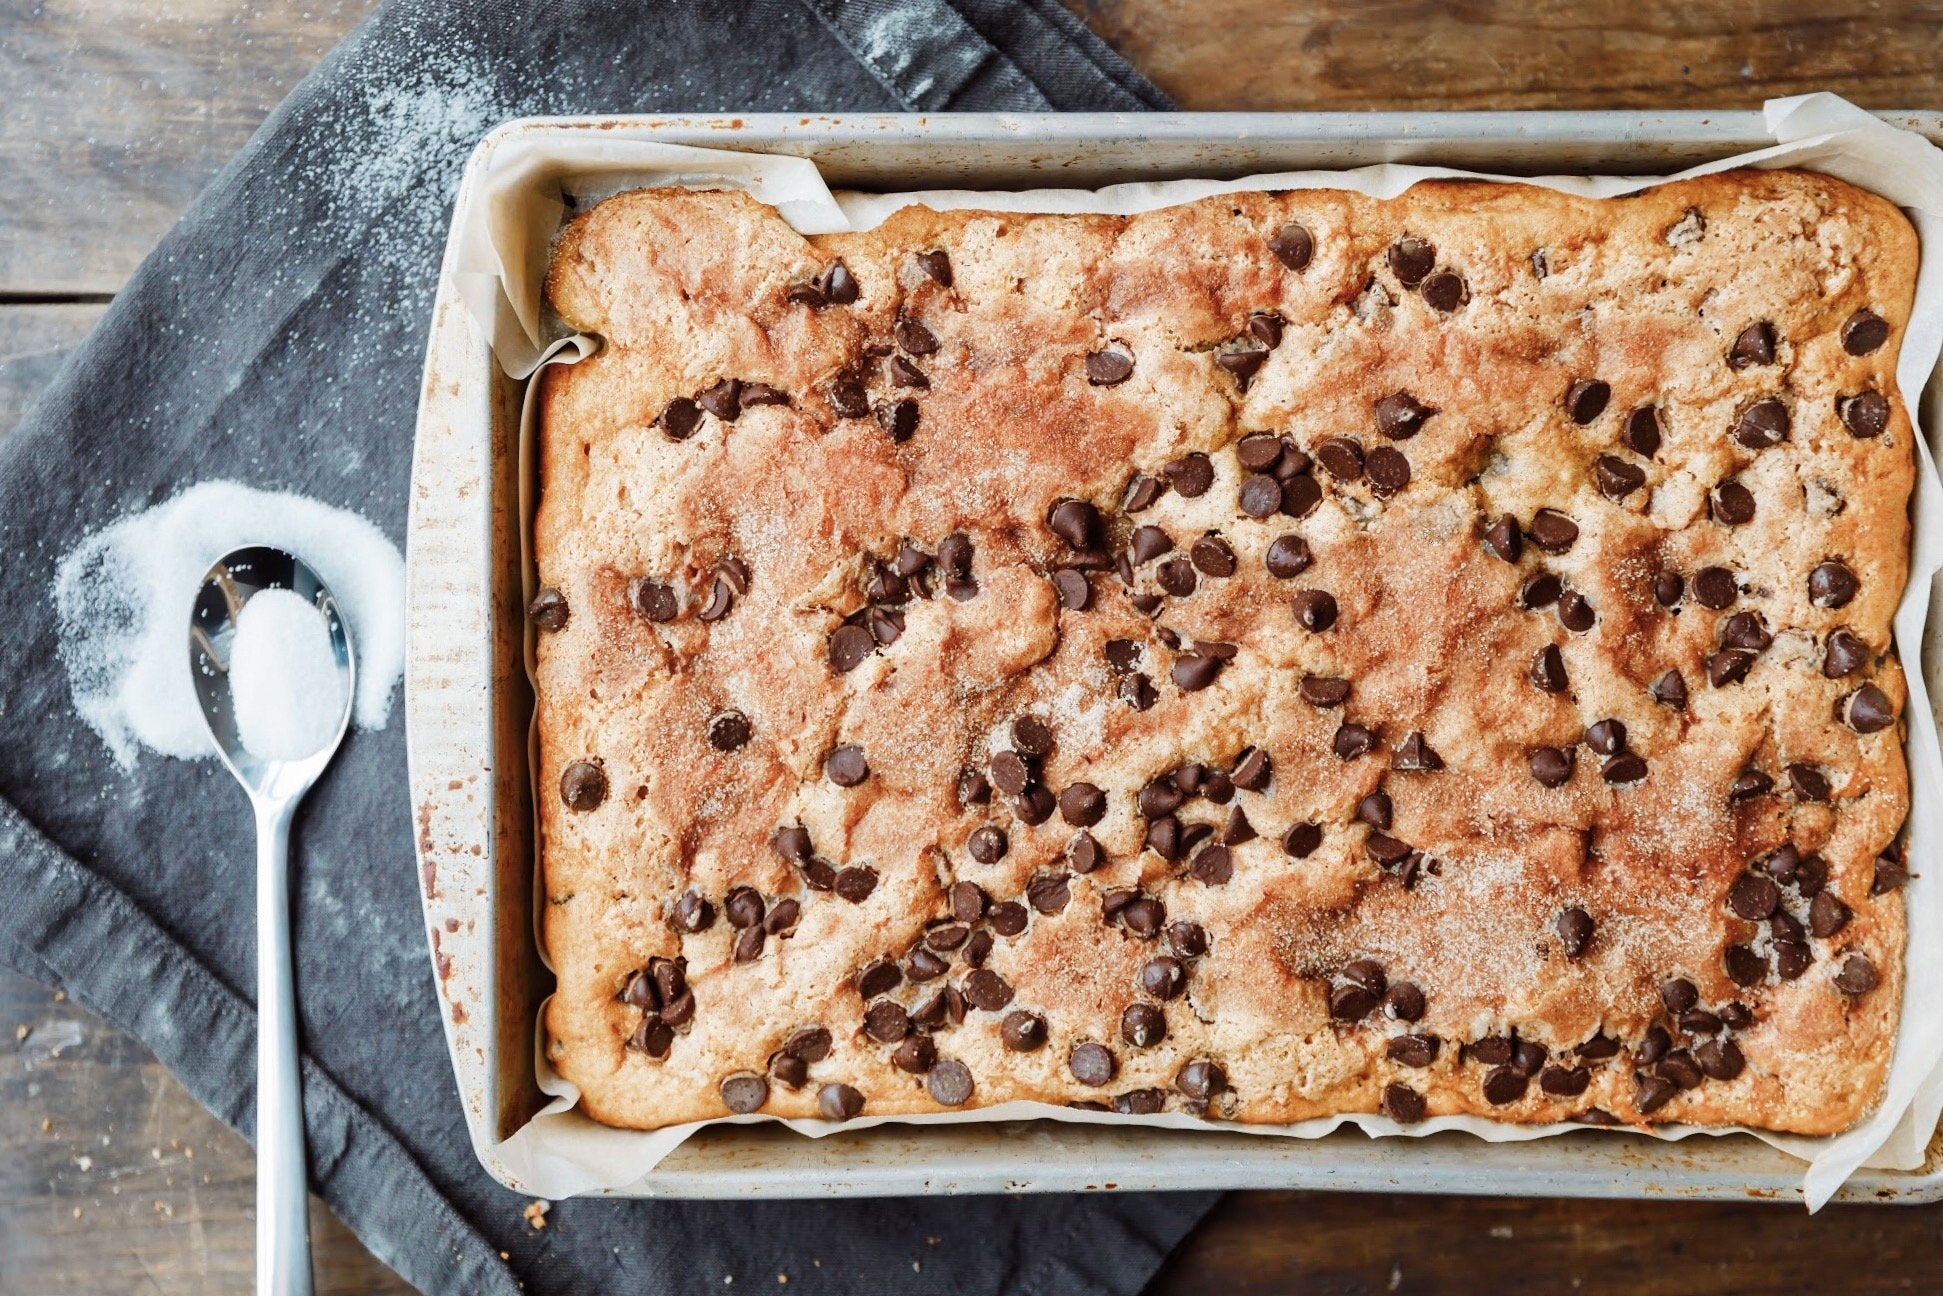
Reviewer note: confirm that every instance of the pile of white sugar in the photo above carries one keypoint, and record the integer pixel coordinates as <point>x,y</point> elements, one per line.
<point>124,595</point>
<point>283,678</point>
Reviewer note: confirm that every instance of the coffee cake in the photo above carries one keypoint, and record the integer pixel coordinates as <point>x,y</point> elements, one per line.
<point>1281,655</point>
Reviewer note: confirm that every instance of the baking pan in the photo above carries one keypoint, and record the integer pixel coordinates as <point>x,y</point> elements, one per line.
<point>468,705</point>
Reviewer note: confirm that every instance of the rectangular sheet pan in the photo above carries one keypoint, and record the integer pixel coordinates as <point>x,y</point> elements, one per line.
<point>467,701</point>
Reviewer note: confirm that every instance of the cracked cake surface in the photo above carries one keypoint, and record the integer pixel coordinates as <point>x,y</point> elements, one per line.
<point>1280,655</point>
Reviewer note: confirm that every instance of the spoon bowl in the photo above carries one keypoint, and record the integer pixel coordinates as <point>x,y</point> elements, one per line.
<point>229,585</point>
<point>275,788</point>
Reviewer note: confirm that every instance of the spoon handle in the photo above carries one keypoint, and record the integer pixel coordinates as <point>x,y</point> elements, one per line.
<point>282,1193</point>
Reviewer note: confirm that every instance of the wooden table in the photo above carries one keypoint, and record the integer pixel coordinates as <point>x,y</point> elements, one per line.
<point>113,1180</point>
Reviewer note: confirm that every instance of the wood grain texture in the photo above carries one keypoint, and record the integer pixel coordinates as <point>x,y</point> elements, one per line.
<point>117,113</point>
<point>112,1179</point>
<point>1401,54</point>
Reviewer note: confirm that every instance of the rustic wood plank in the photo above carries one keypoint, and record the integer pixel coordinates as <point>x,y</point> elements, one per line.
<point>1425,54</point>
<point>112,1179</point>
<point>118,112</point>
<point>1273,1243</point>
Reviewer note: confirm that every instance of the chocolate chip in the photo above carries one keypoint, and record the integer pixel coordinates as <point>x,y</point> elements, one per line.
<point>1867,710</point>
<point>1750,783</point>
<point>1252,770</point>
<point>1243,362</point>
<point>1077,522</point>
<point>1411,259</point>
<point>1492,1050</point>
<point>548,610</point>
<point>838,1102</point>
<point>691,913</point>
<point>1176,576</point>
<point>1315,609</point>
<point>680,419</point>
<point>1864,415</point>
<point>1698,1021</point>
<point>721,597</point>
<point>1744,966</point>
<point>848,397</point>
<point>782,917</point>
<point>1667,588</point>
<point>1214,866</point>
<point>1552,531</point>
<point>1586,399</point>
<point>916,1055</point>
<point>1288,557</point>
<point>1642,435</point>
<point>1540,589</point>
<point>1653,1047</point>
<point>914,337</point>
<point>1505,1085</point>
<point>949,937</point>
<point>1548,670</point>
<point>1598,1048</point>
<point>899,418</point>
<point>848,647</point>
<point>1679,1067</point>
<point>1731,504</point>
<point>1401,1103</point>
<point>748,944</point>
<point>1652,1093</point>
<point>1863,332</point>
<point>1720,1059</point>
<point>1164,838</point>
<point>1729,666</point>
<point>1413,1050</point>
<point>1375,810</point>
<point>744,1093</point>
<point>729,732</point>
<point>1142,492</point>
<point>1301,840</point>
<point>723,400</point>
<point>1265,328</point>
<point>1606,737</point>
<point>1389,471</point>
<point>1293,246</point>
<point>1342,458</point>
<point>1564,1082</point>
<point>1415,754</point>
<point>1745,630</point>
<point>1352,741</point>
<point>1092,1064</point>
<point>1807,782</point>
<point>1754,897</point>
<point>1846,654</point>
<point>1049,893</point>
<point>1163,796</point>
<point>987,991</point>
<point>846,766</point>
<point>1007,917</point>
<point>755,394</point>
<point>1714,587</point>
<point>1575,928</point>
<point>1679,994</point>
<point>1444,291</point>
<point>1753,346</point>
<point>1324,691</point>
<point>744,907</point>
<point>1505,539</point>
<point>1194,672</point>
<point>1670,689</point>
<point>1551,766</point>
<point>1300,495</point>
<point>583,786</point>
<point>1213,557</point>
<point>1012,773</point>
<point>1617,479</point>
<point>1832,585</point>
<point>936,265</point>
<point>837,285</point>
<point>1626,767</point>
<point>1891,875</point>
<point>1528,1056</point>
<point>1764,423</point>
<point>950,1083</point>
<point>1034,805</point>
<point>1386,850</point>
<point>1351,1003</point>
<point>905,374</point>
<point>1575,612</point>
<point>1401,416</point>
<point>1191,474</point>
<point>1260,496</point>
<point>1827,915</point>
<point>1108,368</point>
<point>1143,1025</point>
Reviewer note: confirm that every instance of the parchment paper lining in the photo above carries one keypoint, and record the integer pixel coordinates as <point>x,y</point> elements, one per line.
<point>504,232</point>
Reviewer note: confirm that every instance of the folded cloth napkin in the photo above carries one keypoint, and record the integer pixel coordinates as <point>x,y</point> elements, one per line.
<point>275,337</point>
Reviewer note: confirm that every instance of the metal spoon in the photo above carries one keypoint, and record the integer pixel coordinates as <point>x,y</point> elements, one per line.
<point>275,788</point>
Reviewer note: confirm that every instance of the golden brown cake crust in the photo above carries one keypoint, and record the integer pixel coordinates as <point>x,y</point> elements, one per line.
<point>695,721</point>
